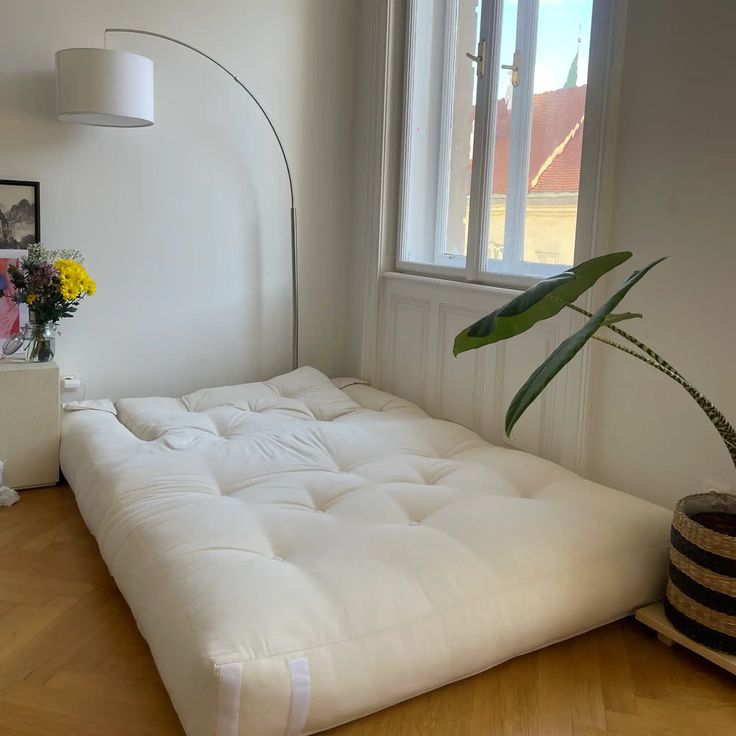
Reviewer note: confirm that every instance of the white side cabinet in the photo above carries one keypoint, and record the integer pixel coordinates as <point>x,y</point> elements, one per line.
<point>29,423</point>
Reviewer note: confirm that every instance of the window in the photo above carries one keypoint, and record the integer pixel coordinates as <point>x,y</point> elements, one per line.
<point>495,113</point>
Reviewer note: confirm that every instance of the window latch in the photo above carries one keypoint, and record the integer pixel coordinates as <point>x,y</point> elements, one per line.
<point>514,67</point>
<point>479,59</point>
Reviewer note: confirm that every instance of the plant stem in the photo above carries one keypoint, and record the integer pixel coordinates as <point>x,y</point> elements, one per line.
<point>630,338</point>
<point>724,428</point>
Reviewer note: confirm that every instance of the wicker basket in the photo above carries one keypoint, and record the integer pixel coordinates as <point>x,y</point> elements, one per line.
<point>701,591</point>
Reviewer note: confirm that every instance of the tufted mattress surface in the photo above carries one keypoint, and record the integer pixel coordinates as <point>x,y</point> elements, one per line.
<point>297,555</point>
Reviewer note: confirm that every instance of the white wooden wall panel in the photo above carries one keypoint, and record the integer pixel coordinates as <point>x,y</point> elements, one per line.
<point>459,381</point>
<point>409,328</point>
<point>419,320</point>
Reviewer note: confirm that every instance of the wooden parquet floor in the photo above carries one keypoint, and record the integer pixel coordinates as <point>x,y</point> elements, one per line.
<point>72,662</point>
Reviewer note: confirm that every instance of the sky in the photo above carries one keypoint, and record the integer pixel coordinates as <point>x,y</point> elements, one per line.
<point>560,24</point>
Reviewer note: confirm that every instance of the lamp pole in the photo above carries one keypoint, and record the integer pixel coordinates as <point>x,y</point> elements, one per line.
<point>294,254</point>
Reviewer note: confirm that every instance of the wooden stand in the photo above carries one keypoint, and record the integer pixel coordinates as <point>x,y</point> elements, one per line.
<point>655,617</point>
<point>29,423</point>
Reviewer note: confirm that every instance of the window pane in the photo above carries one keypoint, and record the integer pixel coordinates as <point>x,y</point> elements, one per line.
<point>536,121</point>
<point>502,139</point>
<point>558,111</point>
<point>462,121</point>
<point>442,115</point>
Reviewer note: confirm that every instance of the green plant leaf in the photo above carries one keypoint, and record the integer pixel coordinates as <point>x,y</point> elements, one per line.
<point>613,318</point>
<point>541,301</point>
<point>567,350</point>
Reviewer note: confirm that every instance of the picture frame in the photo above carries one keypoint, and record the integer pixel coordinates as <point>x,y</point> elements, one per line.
<point>20,214</point>
<point>13,316</point>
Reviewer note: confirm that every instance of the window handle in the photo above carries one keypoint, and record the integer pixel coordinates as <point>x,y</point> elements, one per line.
<point>479,58</point>
<point>514,68</point>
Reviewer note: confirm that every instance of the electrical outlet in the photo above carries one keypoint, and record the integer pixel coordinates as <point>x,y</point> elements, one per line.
<point>70,382</point>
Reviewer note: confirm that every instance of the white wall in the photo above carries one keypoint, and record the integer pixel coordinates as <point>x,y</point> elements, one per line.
<point>675,195</point>
<point>185,224</point>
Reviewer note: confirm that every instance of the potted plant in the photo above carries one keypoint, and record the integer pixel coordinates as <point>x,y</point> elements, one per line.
<point>701,591</point>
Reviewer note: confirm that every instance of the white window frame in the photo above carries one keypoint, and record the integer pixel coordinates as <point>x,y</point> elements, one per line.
<point>473,267</point>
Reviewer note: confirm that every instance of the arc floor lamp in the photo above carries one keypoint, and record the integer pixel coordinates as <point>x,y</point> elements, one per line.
<point>112,88</point>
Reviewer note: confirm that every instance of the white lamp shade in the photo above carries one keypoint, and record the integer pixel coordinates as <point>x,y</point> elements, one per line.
<point>104,87</point>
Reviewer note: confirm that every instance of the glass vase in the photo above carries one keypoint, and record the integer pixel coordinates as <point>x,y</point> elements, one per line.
<point>40,341</point>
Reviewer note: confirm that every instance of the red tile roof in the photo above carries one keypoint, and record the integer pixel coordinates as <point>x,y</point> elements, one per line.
<point>557,135</point>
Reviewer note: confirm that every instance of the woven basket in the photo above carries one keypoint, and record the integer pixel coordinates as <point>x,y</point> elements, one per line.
<point>701,591</point>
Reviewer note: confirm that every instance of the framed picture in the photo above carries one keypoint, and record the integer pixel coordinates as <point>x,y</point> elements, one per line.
<point>20,222</point>
<point>13,317</point>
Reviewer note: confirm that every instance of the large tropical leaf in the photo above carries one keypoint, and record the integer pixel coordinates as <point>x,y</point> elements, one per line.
<point>541,301</point>
<point>567,350</point>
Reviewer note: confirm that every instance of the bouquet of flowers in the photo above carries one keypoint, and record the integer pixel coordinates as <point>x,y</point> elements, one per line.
<point>52,283</point>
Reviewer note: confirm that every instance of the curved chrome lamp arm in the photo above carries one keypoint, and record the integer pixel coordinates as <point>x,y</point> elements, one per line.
<point>294,260</point>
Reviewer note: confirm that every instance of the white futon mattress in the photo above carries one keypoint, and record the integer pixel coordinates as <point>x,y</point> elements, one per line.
<point>297,555</point>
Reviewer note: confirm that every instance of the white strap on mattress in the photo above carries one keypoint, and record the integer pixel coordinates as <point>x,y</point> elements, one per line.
<point>300,696</point>
<point>228,698</point>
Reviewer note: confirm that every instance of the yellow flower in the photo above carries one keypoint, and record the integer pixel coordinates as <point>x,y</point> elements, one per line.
<point>31,298</point>
<point>74,281</point>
